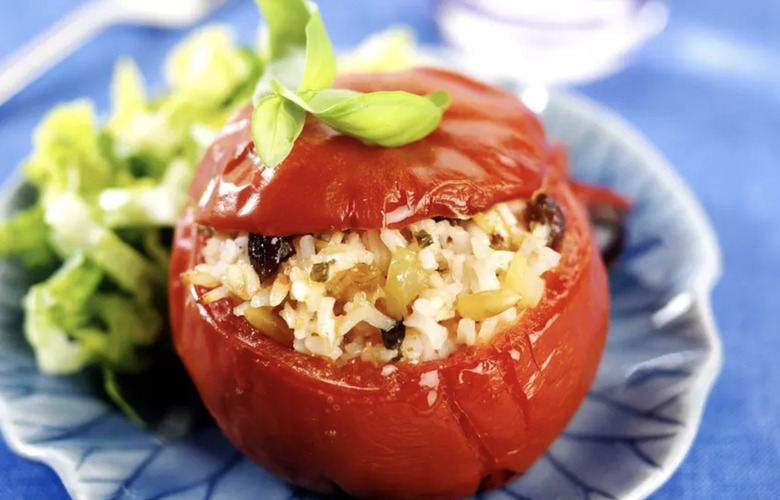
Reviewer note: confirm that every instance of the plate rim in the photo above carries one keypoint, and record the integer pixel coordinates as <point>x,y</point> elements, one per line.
<point>706,276</point>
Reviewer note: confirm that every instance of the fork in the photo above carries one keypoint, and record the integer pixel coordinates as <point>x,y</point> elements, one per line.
<point>52,46</point>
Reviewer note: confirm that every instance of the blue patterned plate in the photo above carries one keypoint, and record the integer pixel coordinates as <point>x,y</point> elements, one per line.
<point>633,430</point>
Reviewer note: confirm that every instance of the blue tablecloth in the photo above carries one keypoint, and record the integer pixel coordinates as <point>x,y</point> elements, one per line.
<point>706,92</point>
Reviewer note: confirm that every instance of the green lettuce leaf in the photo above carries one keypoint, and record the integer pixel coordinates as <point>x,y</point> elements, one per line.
<point>108,195</point>
<point>206,68</point>
<point>70,153</point>
<point>74,230</point>
<point>71,324</point>
<point>55,310</point>
<point>147,203</point>
<point>26,237</point>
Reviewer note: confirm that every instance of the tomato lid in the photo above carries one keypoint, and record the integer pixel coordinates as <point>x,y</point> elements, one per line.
<point>487,149</point>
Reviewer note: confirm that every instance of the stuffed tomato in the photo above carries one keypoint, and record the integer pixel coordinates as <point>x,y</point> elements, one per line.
<point>410,322</point>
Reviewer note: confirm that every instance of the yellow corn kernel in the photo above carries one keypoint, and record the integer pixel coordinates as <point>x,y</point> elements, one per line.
<point>482,305</point>
<point>270,323</point>
<point>521,279</point>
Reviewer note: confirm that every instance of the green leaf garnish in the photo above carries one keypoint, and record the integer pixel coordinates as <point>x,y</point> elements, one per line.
<point>387,118</point>
<point>286,21</point>
<point>276,123</point>
<point>308,64</point>
<point>320,67</point>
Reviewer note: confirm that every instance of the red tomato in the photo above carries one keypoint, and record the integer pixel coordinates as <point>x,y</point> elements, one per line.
<point>591,194</point>
<point>588,194</point>
<point>438,429</point>
<point>479,418</point>
<point>488,148</point>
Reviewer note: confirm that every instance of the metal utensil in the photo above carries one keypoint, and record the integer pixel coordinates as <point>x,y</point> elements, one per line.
<point>52,46</point>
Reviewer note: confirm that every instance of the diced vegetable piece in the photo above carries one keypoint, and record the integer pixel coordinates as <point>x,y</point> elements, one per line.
<point>482,305</point>
<point>320,272</point>
<point>269,322</point>
<point>519,278</point>
<point>406,278</point>
<point>424,239</point>
<point>362,277</point>
<point>490,222</point>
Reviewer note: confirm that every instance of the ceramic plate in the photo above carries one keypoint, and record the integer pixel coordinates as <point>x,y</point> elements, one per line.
<point>631,432</point>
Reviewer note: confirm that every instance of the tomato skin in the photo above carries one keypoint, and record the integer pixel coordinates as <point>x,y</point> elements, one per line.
<point>590,194</point>
<point>495,409</point>
<point>488,148</point>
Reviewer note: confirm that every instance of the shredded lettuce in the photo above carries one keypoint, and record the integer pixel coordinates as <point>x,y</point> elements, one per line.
<point>147,203</point>
<point>393,49</point>
<point>26,237</point>
<point>56,311</point>
<point>71,324</point>
<point>70,154</point>
<point>205,68</point>
<point>74,230</point>
<point>109,192</point>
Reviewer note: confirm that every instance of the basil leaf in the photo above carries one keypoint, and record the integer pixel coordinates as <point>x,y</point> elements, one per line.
<point>287,20</point>
<point>440,99</point>
<point>324,99</point>
<point>302,57</point>
<point>276,123</point>
<point>288,71</point>
<point>320,69</point>
<point>388,118</point>
<point>385,118</point>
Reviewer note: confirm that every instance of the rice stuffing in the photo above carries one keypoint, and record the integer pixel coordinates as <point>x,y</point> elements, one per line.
<point>413,294</point>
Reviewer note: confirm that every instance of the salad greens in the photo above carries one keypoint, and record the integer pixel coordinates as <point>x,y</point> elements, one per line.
<point>109,191</point>
<point>302,57</point>
<point>108,194</point>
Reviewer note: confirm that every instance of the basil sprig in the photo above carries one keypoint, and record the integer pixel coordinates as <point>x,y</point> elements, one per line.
<point>301,57</point>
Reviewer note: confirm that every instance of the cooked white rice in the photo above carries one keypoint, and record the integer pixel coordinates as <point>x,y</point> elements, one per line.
<point>437,266</point>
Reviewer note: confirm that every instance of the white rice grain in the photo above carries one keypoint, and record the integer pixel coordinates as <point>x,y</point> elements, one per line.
<point>460,257</point>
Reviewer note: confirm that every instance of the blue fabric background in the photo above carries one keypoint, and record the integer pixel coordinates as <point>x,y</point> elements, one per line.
<point>706,92</point>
